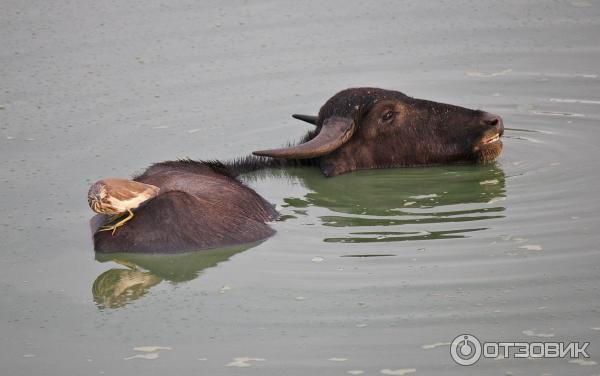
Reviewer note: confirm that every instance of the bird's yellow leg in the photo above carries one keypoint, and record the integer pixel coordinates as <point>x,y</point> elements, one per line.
<point>110,220</point>
<point>118,224</point>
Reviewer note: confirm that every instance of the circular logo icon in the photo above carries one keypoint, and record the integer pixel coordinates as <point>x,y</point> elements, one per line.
<point>465,350</point>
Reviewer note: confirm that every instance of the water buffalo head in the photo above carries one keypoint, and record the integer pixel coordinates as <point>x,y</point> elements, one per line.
<point>364,128</point>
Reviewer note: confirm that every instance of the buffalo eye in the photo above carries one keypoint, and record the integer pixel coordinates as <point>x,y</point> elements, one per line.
<point>388,116</point>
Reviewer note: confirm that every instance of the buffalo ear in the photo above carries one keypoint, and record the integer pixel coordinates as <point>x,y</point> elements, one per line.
<point>334,133</point>
<point>310,119</point>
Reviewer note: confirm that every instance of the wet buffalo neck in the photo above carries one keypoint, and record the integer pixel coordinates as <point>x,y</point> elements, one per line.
<point>253,163</point>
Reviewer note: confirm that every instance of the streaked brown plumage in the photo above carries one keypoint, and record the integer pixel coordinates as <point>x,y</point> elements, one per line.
<point>117,197</point>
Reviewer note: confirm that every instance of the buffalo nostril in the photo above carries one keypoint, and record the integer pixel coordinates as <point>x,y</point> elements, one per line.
<point>491,120</point>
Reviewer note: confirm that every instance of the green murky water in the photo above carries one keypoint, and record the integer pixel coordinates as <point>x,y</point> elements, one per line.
<point>384,206</point>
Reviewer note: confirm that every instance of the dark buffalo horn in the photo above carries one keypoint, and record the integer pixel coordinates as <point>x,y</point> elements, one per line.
<point>334,133</point>
<point>307,118</point>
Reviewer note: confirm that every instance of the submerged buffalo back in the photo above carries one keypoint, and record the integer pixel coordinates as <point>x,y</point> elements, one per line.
<point>198,207</point>
<point>209,182</point>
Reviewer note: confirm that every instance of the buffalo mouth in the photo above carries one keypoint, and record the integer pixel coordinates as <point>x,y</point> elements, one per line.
<point>489,147</point>
<point>491,139</point>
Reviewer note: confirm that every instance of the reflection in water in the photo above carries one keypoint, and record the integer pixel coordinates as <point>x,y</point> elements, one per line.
<point>117,287</point>
<point>403,204</point>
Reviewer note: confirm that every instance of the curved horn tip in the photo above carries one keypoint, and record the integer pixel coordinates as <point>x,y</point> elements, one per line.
<point>311,119</point>
<point>261,153</point>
